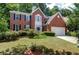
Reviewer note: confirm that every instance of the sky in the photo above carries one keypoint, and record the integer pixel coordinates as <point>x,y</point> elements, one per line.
<point>60,5</point>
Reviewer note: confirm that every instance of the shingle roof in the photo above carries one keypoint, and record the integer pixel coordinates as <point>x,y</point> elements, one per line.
<point>52,17</point>
<point>17,12</point>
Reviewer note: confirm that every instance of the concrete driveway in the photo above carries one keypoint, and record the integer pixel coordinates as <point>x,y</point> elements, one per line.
<point>69,39</point>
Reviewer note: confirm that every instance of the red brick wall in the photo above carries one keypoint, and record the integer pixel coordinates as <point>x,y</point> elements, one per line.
<point>57,22</point>
<point>22,21</point>
<point>33,18</point>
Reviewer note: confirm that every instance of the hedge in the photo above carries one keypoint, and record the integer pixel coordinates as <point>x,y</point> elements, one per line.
<point>49,33</point>
<point>8,36</point>
<point>73,33</point>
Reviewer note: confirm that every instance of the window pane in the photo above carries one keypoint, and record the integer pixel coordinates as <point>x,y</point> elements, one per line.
<point>27,17</point>
<point>17,16</point>
<point>17,27</point>
<point>24,17</point>
<point>27,26</point>
<point>38,18</point>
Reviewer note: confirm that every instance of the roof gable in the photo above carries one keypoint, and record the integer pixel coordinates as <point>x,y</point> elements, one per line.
<point>52,17</point>
<point>40,11</point>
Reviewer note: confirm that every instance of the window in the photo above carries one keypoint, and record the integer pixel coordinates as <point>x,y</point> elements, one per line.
<point>13,26</point>
<point>27,26</point>
<point>38,18</point>
<point>17,27</point>
<point>17,16</point>
<point>26,17</point>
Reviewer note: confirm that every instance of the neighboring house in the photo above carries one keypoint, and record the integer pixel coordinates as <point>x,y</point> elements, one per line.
<point>38,21</point>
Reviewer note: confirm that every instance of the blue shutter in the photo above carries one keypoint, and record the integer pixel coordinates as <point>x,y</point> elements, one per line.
<point>13,26</point>
<point>20,16</point>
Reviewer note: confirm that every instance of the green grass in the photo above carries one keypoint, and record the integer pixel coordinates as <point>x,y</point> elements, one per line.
<point>50,42</point>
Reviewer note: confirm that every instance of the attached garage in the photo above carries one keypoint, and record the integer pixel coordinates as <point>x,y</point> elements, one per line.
<point>56,24</point>
<point>58,30</point>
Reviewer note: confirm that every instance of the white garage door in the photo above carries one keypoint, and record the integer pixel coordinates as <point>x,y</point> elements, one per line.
<point>58,30</point>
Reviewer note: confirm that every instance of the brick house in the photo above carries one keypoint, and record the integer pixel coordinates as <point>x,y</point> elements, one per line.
<point>38,21</point>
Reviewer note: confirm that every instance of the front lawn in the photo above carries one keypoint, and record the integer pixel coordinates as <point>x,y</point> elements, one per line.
<point>50,42</point>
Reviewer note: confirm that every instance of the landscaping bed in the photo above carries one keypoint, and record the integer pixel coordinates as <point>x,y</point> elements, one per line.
<point>45,41</point>
<point>53,43</point>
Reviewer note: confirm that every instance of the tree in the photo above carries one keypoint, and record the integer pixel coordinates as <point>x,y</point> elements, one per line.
<point>43,7</point>
<point>65,12</point>
<point>73,22</point>
<point>3,25</point>
<point>54,10</point>
<point>5,8</point>
<point>25,7</point>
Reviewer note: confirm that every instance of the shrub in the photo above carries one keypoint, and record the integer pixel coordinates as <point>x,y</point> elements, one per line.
<point>76,53</point>
<point>68,53</point>
<point>57,52</point>
<point>68,33</point>
<point>26,29</point>
<point>63,52</point>
<point>47,51</point>
<point>19,50</point>
<point>73,33</point>
<point>22,33</point>
<point>7,52</point>
<point>49,33</point>
<point>78,34</point>
<point>34,50</point>
<point>40,49</point>
<point>39,36</point>
<point>31,33</point>
<point>8,36</point>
